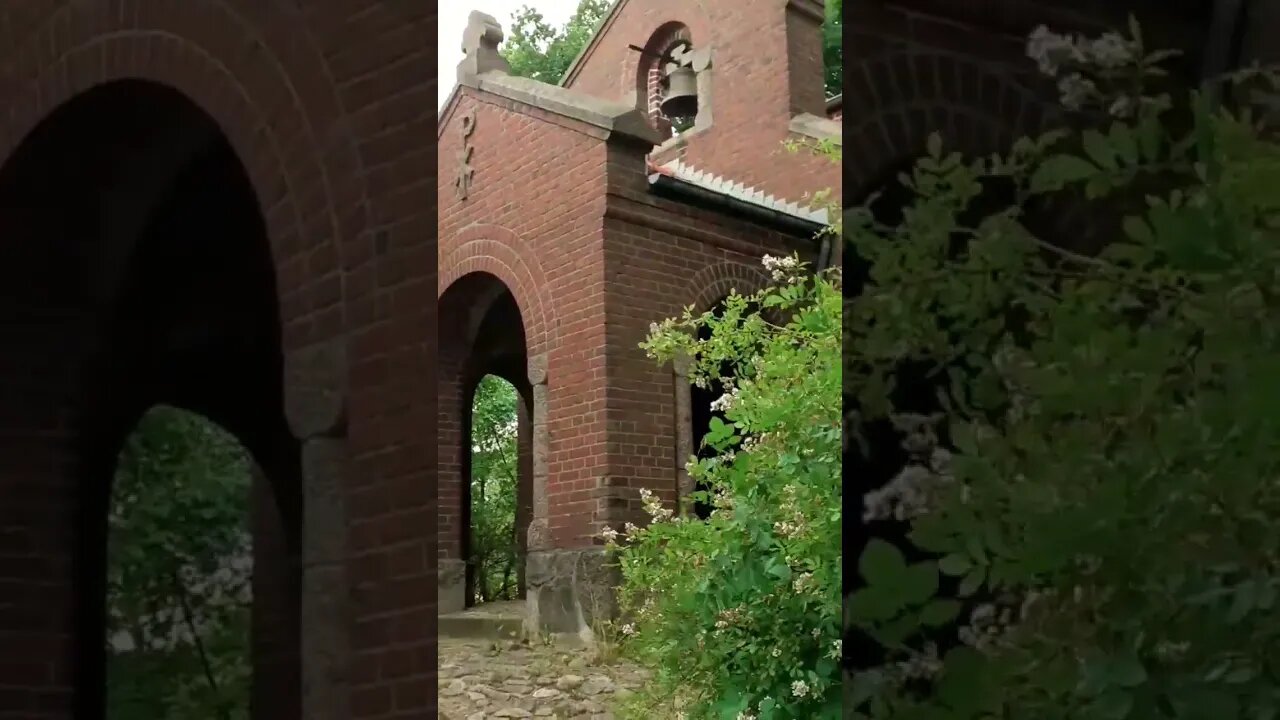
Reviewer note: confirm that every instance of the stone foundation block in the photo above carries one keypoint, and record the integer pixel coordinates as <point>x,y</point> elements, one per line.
<point>570,591</point>
<point>451,586</point>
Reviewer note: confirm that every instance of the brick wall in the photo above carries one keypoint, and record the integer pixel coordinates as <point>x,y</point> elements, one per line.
<point>532,220</point>
<point>919,66</point>
<point>767,66</point>
<point>660,257</point>
<point>564,218</point>
<point>328,106</point>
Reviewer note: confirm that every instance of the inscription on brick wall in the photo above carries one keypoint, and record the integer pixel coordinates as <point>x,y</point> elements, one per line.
<point>466,173</point>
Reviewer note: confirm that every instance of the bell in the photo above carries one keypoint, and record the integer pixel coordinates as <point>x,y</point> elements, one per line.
<point>681,99</point>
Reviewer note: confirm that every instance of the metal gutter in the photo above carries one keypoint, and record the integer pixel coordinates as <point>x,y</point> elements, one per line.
<point>675,188</point>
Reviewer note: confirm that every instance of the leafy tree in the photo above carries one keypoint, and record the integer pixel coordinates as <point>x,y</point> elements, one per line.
<point>535,49</point>
<point>178,573</point>
<point>1099,483</point>
<point>833,47</point>
<point>493,489</point>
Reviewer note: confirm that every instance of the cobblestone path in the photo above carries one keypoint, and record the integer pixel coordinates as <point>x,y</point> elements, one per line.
<point>482,679</point>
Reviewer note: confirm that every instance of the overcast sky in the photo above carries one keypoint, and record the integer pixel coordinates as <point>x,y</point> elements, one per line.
<point>453,20</point>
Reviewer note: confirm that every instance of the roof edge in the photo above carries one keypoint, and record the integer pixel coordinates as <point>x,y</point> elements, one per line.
<point>612,117</point>
<point>442,115</point>
<point>572,72</point>
<point>823,129</point>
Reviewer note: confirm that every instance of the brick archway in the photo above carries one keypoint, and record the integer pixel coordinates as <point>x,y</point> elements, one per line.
<point>278,111</point>
<point>899,100</point>
<point>499,252</point>
<point>714,282</point>
<point>197,49</point>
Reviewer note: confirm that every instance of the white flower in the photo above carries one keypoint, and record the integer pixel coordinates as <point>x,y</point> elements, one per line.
<point>609,534</point>
<point>816,633</point>
<point>725,401</point>
<point>801,583</point>
<point>1122,107</point>
<point>1110,51</point>
<point>1050,50</point>
<point>776,652</point>
<point>836,649</point>
<point>653,505</point>
<point>628,629</point>
<point>799,688</point>
<point>781,268</point>
<point>1075,90</point>
<point>744,715</point>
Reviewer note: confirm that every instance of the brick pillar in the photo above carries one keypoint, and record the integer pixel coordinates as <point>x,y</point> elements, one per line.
<point>276,637</point>
<point>524,485</point>
<point>316,406</point>
<point>805,67</point>
<point>39,523</point>
<point>452,455</point>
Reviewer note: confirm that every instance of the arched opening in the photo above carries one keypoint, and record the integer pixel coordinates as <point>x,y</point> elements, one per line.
<point>179,572</point>
<point>671,47</point>
<point>494,556</point>
<point>135,271</point>
<point>485,494</point>
<point>704,406</point>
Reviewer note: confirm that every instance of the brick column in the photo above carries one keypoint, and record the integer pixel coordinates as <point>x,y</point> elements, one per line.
<point>524,485</point>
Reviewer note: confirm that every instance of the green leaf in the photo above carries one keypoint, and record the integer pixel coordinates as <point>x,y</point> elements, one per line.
<point>955,564</point>
<point>1099,149</point>
<point>972,582</point>
<point>939,612</point>
<point>1115,704</point>
<point>1127,670</point>
<point>935,145</point>
<point>919,583</point>
<point>965,685</point>
<point>881,563</point>
<point>1059,171</point>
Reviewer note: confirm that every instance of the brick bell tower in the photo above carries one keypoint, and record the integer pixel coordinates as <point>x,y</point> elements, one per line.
<point>572,217</point>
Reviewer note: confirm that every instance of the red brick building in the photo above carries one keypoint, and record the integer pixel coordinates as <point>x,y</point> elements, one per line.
<point>572,217</point>
<point>226,206</point>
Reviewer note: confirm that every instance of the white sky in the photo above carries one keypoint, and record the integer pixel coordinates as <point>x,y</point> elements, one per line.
<point>453,20</point>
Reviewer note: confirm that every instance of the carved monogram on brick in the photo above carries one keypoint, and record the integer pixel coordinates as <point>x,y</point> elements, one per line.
<point>465,171</point>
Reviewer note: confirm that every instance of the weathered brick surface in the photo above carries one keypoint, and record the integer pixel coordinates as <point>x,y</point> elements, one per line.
<point>766,66</point>
<point>560,215</point>
<point>328,107</point>
<point>960,69</point>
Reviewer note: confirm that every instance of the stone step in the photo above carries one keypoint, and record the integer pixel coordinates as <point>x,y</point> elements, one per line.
<point>492,621</point>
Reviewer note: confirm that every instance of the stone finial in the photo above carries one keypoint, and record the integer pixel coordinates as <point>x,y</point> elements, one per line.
<point>480,44</point>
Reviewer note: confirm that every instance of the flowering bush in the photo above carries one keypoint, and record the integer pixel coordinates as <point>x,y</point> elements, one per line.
<point>740,614</point>
<point>1103,468</point>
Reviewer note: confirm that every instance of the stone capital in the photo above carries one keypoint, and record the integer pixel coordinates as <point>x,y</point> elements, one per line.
<point>316,389</point>
<point>538,369</point>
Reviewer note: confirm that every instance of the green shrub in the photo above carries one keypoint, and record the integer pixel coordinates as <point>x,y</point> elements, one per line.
<point>1111,481</point>
<point>740,615</point>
